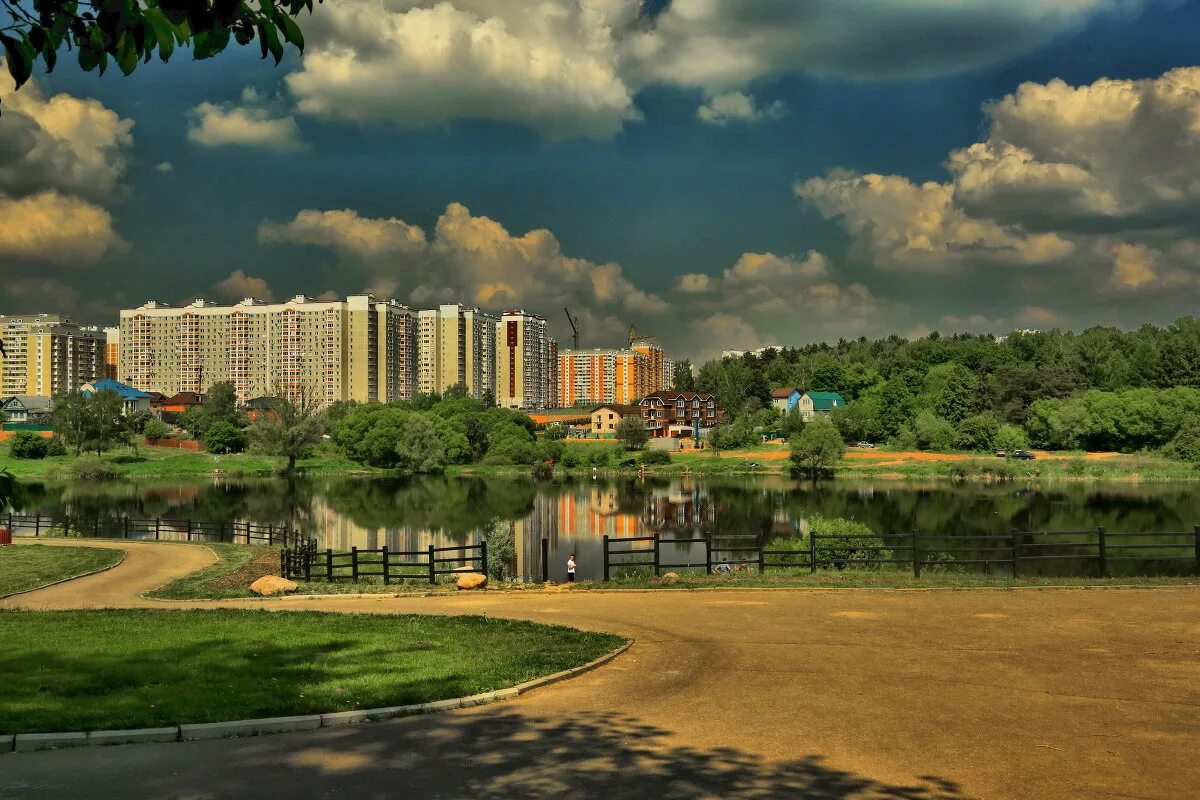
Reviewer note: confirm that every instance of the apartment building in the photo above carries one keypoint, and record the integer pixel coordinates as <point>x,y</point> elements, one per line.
<point>48,354</point>
<point>112,352</point>
<point>587,377</point>
<point>456,345</point>
<point>526,362</point>
<point>359,349</point>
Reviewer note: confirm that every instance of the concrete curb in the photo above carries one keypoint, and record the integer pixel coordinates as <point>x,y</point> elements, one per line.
<point>29,742</point>
<point>113,565</point>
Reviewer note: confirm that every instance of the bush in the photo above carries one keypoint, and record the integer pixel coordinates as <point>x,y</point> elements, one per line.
<point>656,457</point>
<point>93,468</point>
<point>1186,444</point>
<point>599,456</point>
<point>556,431</point>
<point>56,446</point>
<point>843,552</point>
<point>933,432</point>
<point>224,437</point>
<point>978,433</point>
<point>27,444</point>
<point>1011,437</point>
<point>156,429</point>
<point>502,550</point>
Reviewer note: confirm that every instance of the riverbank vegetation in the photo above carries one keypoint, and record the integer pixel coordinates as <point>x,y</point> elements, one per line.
<point>150,668</point>
<point>27,567</point>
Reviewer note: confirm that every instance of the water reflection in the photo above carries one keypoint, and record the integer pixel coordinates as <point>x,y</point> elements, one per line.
<point>410,514</point>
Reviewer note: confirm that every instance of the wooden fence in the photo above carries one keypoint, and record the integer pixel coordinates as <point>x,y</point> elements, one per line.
<point>1098,548</point>
<point>158,528</point>
<point>306,562</point>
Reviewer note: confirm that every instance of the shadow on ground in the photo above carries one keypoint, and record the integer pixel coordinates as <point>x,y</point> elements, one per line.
<point>480,755</point>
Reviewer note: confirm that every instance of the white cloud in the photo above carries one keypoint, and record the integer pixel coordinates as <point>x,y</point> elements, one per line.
<point>346,233</point>
<point>239,285</point>
<point>723,109</point>
<point>476,260</point>
<point>1078,179</point>
<point>164,167</point>
<point>246,126</point>
<point>723,331</point>
<point>56,228</point>
<point>551,65</point>
<point>64,143</point>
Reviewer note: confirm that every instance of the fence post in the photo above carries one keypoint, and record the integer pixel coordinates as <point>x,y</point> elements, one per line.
<point>483,556</point>
<point>128,527</point>
<point>189,529</point>
<point>916,550</point>
<point>354,564</point>
<point>308,559</point>
<point>707,555</point>
<point>545,547</point>
<point>1103,553</point>
<point>283,572</point>
<point>66,524</point>
<point>656,556</point>
<point>1196,534</point>
<point>386,581</point>
<point>546,559</point>
<point>96,527</point>
<point>1016,553</point>
<point>432,567</point>
<point>812,552</point>
<point>762,556</point>
<point>37,531</point>
<point>329,566</point>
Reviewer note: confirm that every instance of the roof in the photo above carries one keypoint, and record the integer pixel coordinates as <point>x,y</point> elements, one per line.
<point>623,410</point>
<point>671,397</point>
<point>29,402</point>
<point>784,391</point>
<point>126,392</point>
<point>826,401</point>
<point>184,399</point>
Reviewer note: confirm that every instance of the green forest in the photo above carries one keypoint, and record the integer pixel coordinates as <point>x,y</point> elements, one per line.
<point>1102,389</point>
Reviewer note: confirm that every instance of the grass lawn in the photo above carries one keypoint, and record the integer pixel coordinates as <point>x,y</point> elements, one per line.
<point>231,576</point>
<point>92,670</point>
<point>28,566</point>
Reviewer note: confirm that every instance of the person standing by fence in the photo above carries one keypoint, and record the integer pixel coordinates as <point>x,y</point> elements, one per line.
<point>571,569</point>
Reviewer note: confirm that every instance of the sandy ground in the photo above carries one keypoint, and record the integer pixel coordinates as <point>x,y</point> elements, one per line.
<point>1071,694</point>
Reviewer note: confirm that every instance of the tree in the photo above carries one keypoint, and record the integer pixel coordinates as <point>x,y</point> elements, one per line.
<point>9,489</point>
<point>555,431</point>
<point>224,437</point>
<point>818,447</point>
<point>1185,446</point>
<point>156,429</point>
<point>978,432</point>
<point>133,31</point>
<point>221,404</point>
<point>419,448</point>
<point>631,432</point>
<point>289,428</point>
<point>1011,437</point>
<point>682,379</point>
<point>106,424</point>
<point>71,420</point>
<point>27,444</point>
<point>933,432</point>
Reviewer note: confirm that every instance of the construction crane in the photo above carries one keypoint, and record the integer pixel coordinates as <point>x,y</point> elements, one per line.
<point>574,327</point>
<point>638,336</point>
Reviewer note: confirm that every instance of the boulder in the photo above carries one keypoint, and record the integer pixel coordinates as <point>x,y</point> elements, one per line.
<point>671,577</point>
<point>472,580</point>
<point>268,585</point>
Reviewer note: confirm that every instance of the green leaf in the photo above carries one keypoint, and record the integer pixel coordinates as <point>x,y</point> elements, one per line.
<point>127,53</point>
<point>271,41</point>
<point>19,54</point>
<point>291,31</point>
<point>89,59</point>
<point>164,32</point>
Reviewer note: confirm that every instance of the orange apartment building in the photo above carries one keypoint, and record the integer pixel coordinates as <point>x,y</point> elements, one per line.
<point>592,377</point>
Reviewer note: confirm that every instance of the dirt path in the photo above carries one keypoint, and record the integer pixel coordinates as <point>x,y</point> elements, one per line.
<point>1077,695</point>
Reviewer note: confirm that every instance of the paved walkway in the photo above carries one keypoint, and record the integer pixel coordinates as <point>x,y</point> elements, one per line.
<point>1075,694</point>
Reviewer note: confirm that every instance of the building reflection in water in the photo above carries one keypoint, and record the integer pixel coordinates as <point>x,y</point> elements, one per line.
<point>574,520</point>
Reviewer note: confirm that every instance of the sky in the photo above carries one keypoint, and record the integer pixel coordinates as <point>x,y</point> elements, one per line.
<point>724,174</point>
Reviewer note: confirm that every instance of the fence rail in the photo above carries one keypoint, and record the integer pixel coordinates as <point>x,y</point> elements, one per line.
<point>308,563</point>
<point>158,528</point>
<point>1008,551</point>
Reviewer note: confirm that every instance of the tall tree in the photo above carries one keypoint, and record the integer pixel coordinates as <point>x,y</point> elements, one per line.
<point>290,427</point>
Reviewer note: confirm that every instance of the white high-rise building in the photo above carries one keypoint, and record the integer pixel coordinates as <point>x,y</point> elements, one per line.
<point>456,345</point>
<point>526,362</point>
<point>47,355</point>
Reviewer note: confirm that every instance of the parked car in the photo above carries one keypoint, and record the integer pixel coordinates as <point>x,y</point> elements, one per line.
<point>1001,454</point>
<point>1023,455</point>
<point>867,445</point>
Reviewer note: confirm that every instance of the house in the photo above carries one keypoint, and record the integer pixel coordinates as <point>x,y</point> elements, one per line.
<point>785,399</point>
<point>604,418</point>
<point>133,400</point>
<point>813,403</point>
<point>679,413</point>
<point>178,403</point>
<point>25,409</point>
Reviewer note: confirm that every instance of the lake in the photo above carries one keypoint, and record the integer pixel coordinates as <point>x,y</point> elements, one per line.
<point>411,513</point>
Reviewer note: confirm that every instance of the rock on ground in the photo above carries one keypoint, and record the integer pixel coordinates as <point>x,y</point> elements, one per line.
<point>268,585</point>
<point>472,580</point>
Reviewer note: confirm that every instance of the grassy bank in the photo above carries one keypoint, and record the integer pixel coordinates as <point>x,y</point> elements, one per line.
<point>167,462</point>
<point>90,670</point>
<point>238,566</point>
<point>24,567</point>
